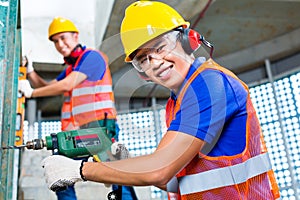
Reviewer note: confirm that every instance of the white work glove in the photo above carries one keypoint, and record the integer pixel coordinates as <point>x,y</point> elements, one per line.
<point>25,88</point>
<point>61,172</point>
<point>119,151</point>
<point>28,63</point>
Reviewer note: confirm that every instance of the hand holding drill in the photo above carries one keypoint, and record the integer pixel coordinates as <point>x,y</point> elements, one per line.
<point>61,171</point>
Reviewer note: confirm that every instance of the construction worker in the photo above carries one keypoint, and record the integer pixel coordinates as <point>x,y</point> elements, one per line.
<point>213,148</point>
<point>86,84</point>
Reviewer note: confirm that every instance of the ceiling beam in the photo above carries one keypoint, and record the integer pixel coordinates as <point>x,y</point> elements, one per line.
<point>254,56</point>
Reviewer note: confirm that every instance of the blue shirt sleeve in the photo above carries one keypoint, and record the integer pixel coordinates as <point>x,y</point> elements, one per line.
<point>61,76</point>
<point>210,111</point>
<point>92,65</point>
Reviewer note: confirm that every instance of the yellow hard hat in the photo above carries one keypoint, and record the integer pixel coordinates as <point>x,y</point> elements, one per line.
<point>60,25</point>
<point>145,20</point>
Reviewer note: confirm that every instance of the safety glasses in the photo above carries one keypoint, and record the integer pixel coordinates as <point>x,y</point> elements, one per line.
<point>155,49</point>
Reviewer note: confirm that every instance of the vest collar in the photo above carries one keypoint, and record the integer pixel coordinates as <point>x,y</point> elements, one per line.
<point>194,66</point>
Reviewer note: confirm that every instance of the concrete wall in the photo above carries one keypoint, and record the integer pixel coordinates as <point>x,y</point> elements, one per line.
<point>90,18</point>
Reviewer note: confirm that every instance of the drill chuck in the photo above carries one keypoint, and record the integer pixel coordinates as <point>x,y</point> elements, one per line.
<point>36,144</point>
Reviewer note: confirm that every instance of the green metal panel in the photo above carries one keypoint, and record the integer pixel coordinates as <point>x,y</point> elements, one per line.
<point>9,65</point>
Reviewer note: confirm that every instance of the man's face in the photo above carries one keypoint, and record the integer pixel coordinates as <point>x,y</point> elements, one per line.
<point>65,42</point>
<point>164,61</point>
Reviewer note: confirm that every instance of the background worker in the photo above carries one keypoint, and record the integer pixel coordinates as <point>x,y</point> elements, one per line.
<point>213,148</point>
<point>86,84</point>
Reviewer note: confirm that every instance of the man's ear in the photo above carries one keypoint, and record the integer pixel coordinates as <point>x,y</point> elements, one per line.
<point>75,35</point>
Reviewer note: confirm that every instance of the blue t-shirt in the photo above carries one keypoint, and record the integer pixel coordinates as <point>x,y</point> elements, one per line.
<point>91,64</point>
<point>213,109</point>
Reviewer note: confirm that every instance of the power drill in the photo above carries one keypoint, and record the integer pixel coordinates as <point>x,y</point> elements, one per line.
<point>77,143</point>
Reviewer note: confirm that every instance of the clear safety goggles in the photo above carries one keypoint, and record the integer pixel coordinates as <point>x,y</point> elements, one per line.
<point>156,49</point>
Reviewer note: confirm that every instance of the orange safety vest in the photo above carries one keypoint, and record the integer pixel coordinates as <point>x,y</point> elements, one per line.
<point>247,175</point>
<point>67,122</point>
<point>89,101</point>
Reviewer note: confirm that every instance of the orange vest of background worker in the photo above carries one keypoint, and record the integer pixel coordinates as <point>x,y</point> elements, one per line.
<point>207,177</point>
<point>67,121</point>
<point>89,101</point>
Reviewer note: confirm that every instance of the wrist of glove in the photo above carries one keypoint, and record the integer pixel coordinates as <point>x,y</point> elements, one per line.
<point>119,151</point>
<point>28,63</point>
<point>29,68</point>
<point>25,88</point>
<point>61,172</point>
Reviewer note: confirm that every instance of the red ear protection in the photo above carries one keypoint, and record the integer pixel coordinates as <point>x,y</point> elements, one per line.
<point>191,40</point>
<point>77,51</point>
<point>72,58</point>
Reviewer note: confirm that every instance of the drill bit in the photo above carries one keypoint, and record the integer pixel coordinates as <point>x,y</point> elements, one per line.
<point>35,144</point>
<point>14,147</point>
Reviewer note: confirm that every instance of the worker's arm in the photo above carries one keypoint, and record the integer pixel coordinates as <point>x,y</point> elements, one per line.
<point>174,152</point>
<point>37,81</point>
<point>59,87</point>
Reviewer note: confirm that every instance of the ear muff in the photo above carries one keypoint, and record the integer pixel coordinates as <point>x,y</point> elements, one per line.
<point>76,51</point>
<point>191,40</point>
<point>72,58</point>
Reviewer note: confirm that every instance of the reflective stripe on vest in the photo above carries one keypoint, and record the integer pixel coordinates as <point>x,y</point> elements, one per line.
<point>92,107</point>
<point>90,100</point>
<point>67,99</point>
<point>231,175</point>
<point>65,115</point>
<point>91,90</point>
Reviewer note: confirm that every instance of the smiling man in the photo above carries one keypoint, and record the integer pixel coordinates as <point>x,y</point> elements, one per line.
<point>213,147</point>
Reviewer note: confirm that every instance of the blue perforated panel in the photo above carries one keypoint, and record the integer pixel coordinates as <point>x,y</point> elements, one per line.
<point>281,129</point>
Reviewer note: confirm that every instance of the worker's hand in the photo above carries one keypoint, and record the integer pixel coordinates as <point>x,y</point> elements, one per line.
<point>61,172</point>
<point>27,63</point>
<point>119,151</point>
<point>25,88</point>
